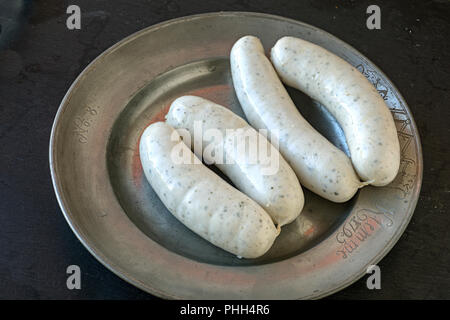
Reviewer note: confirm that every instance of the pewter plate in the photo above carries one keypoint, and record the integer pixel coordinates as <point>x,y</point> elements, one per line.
<point>112,209</point>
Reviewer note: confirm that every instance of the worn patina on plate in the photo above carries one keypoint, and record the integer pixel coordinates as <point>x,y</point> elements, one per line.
<point>112,209</point>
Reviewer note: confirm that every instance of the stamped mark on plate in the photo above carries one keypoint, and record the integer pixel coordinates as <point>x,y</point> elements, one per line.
<point>360,227</point>
<point>83,123</point>
<point>406,178</point>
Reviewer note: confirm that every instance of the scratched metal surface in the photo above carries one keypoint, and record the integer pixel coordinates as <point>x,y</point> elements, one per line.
<point>113,211</point>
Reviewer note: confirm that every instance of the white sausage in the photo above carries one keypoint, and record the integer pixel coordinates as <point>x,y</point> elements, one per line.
<point>200,199</point>
<point>270,183</point>
<point>358,107</point>
<point>320,166</point>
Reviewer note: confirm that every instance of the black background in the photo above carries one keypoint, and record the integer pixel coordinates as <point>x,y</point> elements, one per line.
<point>40,57</point>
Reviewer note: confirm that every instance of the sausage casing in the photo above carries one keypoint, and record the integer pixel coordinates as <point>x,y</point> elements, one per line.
<point>355,103</point>
<point>200,199</point>
<point>320,166</point>
<point>260,171</point>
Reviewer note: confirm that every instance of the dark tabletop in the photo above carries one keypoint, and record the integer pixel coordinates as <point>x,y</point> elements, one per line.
<point>40,57</point>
